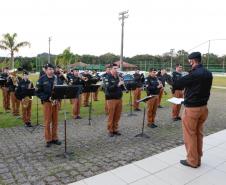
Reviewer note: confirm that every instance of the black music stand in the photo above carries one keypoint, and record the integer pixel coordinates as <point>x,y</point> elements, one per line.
<point>91,89</point>
<point>66,92</point>
<point>144,100</point>
<point>130,87</point>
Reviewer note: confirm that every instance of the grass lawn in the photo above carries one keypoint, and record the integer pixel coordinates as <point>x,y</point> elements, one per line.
<point>219,81</point>
<point>7,120</point>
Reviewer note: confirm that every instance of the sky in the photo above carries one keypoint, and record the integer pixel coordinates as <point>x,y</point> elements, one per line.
<point>92,26</point>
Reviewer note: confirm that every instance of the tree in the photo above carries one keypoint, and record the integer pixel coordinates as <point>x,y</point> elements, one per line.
<point>65,58</point>
<point>9,43</point>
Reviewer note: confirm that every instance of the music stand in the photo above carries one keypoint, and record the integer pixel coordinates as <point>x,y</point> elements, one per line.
<point>131,86</point>
<point>66,92</point>
<point>144,100</point>
<point>91,89</point>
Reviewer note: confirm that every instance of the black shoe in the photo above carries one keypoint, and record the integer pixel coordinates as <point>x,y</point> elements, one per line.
<point>160,106</point>
<point>152,125</point>
<point>48,144</point>
<point>117,133</point>
<point>111,134</point>
<point>178,118</point>
<point>137,109</point>
<point>78,117</point>
<point>185,163</point>
<point>56,142</point>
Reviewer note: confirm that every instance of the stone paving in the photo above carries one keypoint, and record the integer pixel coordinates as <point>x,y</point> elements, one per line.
<point>25,160</point>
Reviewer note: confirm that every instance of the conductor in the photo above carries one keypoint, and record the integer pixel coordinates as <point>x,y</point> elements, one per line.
<point>197,86</point>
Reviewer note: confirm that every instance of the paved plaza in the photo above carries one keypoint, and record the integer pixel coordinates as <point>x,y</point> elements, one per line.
<point>25,160</point>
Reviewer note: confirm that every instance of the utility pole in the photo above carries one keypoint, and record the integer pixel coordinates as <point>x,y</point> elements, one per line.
<point>171,60</point>
<point>122,16</point>
<point>49,50</point>
<point>208,55</point>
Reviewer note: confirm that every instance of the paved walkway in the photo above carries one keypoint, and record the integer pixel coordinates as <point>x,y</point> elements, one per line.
<point>24,159</point>
<point>164,168</point>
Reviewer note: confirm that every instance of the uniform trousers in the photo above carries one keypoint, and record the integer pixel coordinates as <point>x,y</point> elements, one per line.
<point>193,119</point>
<point>114,114</point>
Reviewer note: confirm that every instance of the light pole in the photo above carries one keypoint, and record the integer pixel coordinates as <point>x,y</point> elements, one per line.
<point>49,50</point>
<point>171,60</point>
<point>122,16</point>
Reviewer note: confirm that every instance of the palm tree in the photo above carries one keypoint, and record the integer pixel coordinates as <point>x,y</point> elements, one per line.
<point>9,43</point>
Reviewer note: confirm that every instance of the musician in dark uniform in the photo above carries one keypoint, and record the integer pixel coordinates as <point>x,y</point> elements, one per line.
<point>96,76</point>
<point>113,93</point>
<point>197,86</point>
<point>153,88</point>
<point>26,101</point>
<point>139,80</point>
<point>177,92</point>
<point>76,80</point>
<point>12,83</point>
<point>45,87</point>
<point>87,81</point>
<point>5,90</point>
<point>161,75</point>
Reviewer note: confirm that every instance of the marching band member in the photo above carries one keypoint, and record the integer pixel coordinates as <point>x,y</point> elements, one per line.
<point>97,77</point>
<point>87,79</point>
<point>12,83</point>
<point>26,101</point>
<point>161,77</point>
<point>76,80</point>
<point>139,80</point>
<point>105,75</point>
<point>153,88</point>
<point>5,90</point>
<point>177,92</point>
<point>45,87</point>
<point>113,93</point>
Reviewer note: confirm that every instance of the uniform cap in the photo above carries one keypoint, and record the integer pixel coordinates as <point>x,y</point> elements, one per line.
<point>195,55</point>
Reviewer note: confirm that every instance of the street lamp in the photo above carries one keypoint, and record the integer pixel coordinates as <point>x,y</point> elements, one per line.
<point>122,16</point>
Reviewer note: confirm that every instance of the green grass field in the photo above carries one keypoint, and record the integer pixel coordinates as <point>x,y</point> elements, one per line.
<point>7,120</point>
<point>219,81</point>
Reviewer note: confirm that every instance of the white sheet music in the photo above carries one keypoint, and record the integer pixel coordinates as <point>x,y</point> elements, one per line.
<point>176,100</point>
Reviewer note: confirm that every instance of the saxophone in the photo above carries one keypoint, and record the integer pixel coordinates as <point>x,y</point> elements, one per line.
<point>27,99</point>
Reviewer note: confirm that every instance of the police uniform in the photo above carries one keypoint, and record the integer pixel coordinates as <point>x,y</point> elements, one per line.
<point>197,86</point>
<point>152,104</point>
<point>162,79</point>
<point>113,94</point>
<point>75,80</point>
<point>5,93</point>
<point>95,94</point>
<point>139,79</point>
<point>105,100</point>
<point>86,95</point>
<point>177,93</point>
<point>50,108</point>
<point>26,101</point>
<point>15,103</point>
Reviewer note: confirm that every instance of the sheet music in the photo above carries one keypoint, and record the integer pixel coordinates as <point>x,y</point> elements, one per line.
<point>176,100</point>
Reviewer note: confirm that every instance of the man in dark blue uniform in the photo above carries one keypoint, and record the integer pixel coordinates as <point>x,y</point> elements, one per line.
<point>26,101</point>
<point>197,86</point>
<point>45,87</point>
<point>153,88</point>
<point>113,94</point>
